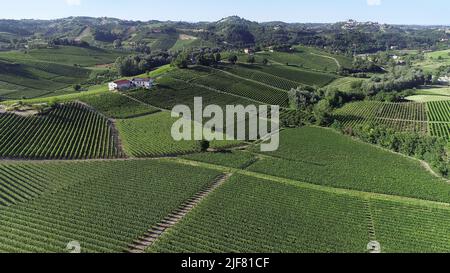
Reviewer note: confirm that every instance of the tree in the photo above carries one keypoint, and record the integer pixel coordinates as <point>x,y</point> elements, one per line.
<point>322,113</point>
<point>233,59</point>
<point>181,61</point>
<point>301,99</point>
<point>218,57</point>
<point>77,87</point>
<point>117,43</point>
<point>204,145</point>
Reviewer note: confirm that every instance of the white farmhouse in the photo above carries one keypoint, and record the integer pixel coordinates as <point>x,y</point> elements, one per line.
<point>143,83</point>
<point>120,85</point>
<point>146,83</point>
<point>445,80</point>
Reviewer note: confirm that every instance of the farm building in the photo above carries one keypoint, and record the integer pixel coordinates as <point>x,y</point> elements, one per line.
<point>144,83</point>
<point>249,51</point>
<point>445,80</point>
<point>119,85</point>
<point>127,84</point>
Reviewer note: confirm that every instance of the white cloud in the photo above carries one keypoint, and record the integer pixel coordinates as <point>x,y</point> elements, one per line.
<point>374,2</point>
<point>73,2</point>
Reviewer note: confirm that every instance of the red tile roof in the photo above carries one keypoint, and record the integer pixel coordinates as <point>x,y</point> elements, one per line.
<point>122,82</point>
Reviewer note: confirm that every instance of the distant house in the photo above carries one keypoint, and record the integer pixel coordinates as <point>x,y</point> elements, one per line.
<point>143,82</point>
<point>119,85</point>
<point>127,84</point>
<point>249,51</point>
<point>445,80</point>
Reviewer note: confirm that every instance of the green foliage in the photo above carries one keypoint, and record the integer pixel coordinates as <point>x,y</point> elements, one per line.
<point>150,136</point>
<point>102,205</point>
<point>204,145</point>
<point>233,59</point>
<point>234,86</point>
<point>324,157</point>
<point>67,132</point>
<point>170,92</point>
<point>118,106</point>
<point>138,64</point>
<point>234,159</point>
<point>398,116</point>
<point>428,148</point>
<point>269,217</point>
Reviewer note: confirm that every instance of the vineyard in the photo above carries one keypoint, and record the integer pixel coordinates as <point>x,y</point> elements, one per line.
<point>102,205</point>
<point>408,228</point>
<point>150,136</point>
<point>309,58</point>
<point>234,86</point>
<point>254,72</point>
<point>69,131</point>
<point>302,76</point>
<point>233,159</point>
<point>67,55</point>
<point>439,111</point>
<point>324,157</point>
<point>170,92</point>
<point>398,116</point>
<point>440,129</point>
<point>249,215</point>
<point>33,79</point>
<point>115,105</point>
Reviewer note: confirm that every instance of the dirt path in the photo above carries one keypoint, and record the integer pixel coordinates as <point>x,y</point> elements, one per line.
<point>154,233</point>
<point>116,137</point>
<point>328,57</point>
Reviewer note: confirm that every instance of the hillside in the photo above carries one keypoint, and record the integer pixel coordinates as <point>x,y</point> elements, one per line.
<point>364,137</point>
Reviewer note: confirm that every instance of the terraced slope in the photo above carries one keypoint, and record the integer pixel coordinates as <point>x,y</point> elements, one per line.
<point>398,116</point>
<point>324,157</point>
<point>118,106</point>
<point>103,205</point>
<point>69,131</point>
<point>250,215</point>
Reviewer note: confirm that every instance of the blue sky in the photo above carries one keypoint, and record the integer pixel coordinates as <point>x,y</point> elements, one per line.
<point>384,11</point>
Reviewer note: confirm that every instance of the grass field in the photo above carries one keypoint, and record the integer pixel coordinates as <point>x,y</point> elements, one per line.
<point>69,131</point>
<point>102,205</point>
<point>309,58</point>
<point>345,84</point>
<point>67,55</point>
<point>434,60</point>
<point>45,72</point>
<point>30,79</point>
<point>324,157</point>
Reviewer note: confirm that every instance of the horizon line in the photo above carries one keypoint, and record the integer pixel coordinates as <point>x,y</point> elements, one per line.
<point>206,21</point>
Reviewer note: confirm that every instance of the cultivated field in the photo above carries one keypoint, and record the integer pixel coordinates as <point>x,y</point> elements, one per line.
<point>69,131</point>
<point>398,116</point>
<point>249,215</point>
<point>102,205</point>
<point>118,106</point>
<point>324,157</point>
